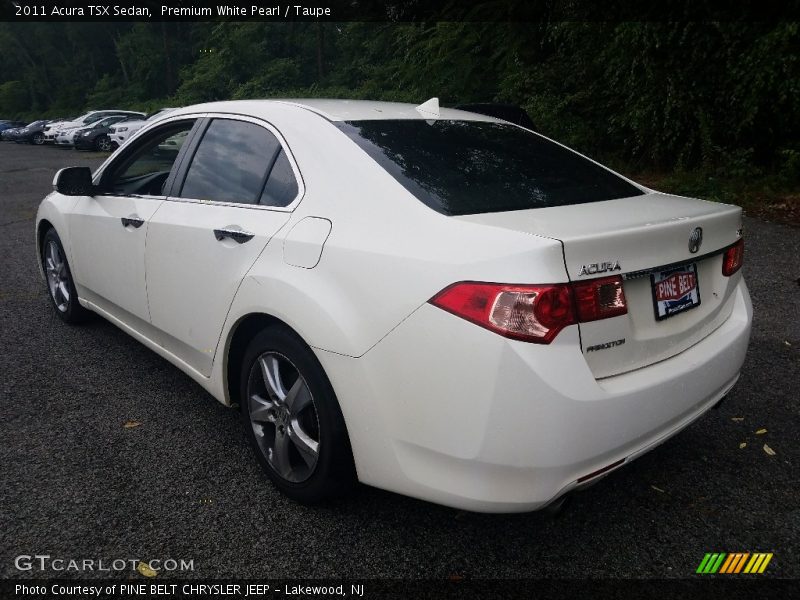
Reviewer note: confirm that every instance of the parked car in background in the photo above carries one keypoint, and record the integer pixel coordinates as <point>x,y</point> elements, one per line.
<point>119,133</point>
<point>50,128</point>
<point>9,124</point>
<point>96,137</point>
<point>55,129</point>
<point>7,129</point>
<point>6,135</point>
<point>31,134</point>
<point>173,144</point>
<point>436,302</point>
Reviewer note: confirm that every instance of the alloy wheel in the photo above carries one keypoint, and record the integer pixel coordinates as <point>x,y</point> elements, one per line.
<point>38,139</point>
<point>283,417</point>
<point>57,277</point>
<point>104,144</point>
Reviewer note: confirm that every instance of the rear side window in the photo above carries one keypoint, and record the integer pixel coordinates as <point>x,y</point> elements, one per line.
<point>240,162</point>
<point>281,187</point>
<point>231,163</point>
<point>469,167</point>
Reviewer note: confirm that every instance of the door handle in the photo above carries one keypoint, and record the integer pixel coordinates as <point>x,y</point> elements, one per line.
<point>238,236</point>
<point>134,222</point>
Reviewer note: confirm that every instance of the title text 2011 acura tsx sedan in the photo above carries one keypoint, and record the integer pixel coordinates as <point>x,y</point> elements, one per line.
<point>427,300</point>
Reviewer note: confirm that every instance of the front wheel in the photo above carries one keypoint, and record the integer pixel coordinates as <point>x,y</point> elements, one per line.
<point>103,144</point>
<point>59,280</point>
<point>292,419</point>
<point>38,139</point>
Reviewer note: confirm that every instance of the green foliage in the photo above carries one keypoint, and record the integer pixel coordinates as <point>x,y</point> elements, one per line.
<point>14,97</point>
<point>712,98</point>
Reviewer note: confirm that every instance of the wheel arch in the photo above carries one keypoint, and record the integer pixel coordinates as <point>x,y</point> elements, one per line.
<point>41,229</point>
<point>239,337</point>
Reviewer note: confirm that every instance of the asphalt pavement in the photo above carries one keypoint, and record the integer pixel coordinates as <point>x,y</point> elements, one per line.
<point>78,484</point>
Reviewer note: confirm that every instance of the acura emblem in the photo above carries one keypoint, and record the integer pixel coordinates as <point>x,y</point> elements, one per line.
<point>695,239</point>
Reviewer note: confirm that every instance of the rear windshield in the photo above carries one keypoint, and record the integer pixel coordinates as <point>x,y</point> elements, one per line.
<point>469,167</point>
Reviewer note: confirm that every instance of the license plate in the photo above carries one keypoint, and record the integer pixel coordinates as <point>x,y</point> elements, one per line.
<point>675,290</point>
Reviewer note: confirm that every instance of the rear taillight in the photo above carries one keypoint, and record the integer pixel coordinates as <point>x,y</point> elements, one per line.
<point>599,298</point>
<point>733,259</point>
<point>533,313</point>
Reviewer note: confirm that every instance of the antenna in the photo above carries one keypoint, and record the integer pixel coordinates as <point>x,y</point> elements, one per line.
<point>431,107</point>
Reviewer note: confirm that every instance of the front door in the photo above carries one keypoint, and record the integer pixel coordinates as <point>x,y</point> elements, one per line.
<point>109,230</point>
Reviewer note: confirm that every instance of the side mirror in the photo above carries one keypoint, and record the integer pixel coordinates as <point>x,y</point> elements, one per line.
<point>74,181</point>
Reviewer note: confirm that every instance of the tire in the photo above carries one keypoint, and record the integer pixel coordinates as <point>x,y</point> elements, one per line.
<point>283,433</point>
<point>103,144</point>
<point>58,278</point>
<point>37,139</point>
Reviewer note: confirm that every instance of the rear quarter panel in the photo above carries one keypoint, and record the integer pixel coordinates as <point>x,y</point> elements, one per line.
<point>386,255</point>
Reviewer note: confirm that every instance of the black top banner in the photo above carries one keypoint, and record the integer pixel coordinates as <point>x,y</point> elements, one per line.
<point>398,10</point>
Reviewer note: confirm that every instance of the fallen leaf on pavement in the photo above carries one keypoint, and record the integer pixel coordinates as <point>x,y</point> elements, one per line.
<point>761,432</point>
<point>742,445</point>
<point>737,418</point>
<point>131,424</point>
<point>145,569</point>
<point>769,450</point>
<point>658,489</point>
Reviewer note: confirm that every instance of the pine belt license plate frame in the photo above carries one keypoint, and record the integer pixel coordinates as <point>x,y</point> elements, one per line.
<point>666,308</point>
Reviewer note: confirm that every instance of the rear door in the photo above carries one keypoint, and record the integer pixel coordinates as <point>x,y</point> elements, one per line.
<point>234,191</point>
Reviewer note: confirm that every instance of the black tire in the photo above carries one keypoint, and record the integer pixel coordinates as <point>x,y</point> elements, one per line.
<point>334,473</point>
<point>69,309</point>
<point>101,141</point>
<point>37,139</point>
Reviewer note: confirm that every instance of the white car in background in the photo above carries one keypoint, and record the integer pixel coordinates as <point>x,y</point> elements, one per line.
<point>65,130</point>
<point>431,301</point>
<point>119,133</point>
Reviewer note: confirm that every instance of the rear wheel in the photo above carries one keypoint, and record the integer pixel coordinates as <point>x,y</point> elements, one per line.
<point>60,286</point>
<point>292,419</point>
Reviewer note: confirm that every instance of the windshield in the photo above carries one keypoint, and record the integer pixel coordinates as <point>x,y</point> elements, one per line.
<point>92,118</point>
<point>109,121</point>
<point>468,167</point>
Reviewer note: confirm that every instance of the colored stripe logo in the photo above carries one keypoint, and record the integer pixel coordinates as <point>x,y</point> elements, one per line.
<point>734,562</point>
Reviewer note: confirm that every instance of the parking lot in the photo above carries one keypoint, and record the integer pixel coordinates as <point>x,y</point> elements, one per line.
<point>77,483</point>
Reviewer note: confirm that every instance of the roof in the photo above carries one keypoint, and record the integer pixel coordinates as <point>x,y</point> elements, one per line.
<point>348,110</point>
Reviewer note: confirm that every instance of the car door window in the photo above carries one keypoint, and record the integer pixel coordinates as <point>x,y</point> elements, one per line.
<point>232,164</point>
<point>144,169</point>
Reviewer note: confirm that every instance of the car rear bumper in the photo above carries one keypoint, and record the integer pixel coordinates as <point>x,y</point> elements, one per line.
<point>446,411</point>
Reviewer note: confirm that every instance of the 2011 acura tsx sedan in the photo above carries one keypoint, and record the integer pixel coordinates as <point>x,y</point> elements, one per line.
<point>430,301</point>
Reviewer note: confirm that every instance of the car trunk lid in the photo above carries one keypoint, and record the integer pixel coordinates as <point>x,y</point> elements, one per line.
<point>675,297</point>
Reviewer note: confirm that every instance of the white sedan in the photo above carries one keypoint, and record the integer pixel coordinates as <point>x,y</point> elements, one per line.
<point>426,300</point>
<point>66,137</point>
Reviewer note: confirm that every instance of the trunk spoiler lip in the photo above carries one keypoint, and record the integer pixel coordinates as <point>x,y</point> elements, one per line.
<point>694,259</point>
